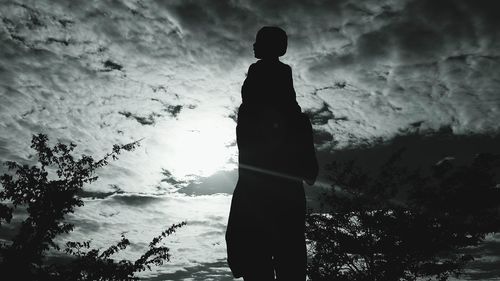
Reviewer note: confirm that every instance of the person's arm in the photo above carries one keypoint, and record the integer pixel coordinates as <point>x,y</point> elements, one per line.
<point>289,77</point>
<point>310,164</point>
<point>248,84</point>
<point>248,133</point>
<point>291,90</point>
<point>243,128</point>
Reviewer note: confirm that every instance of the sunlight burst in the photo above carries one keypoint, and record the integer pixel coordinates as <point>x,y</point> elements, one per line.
<point>203,146</point>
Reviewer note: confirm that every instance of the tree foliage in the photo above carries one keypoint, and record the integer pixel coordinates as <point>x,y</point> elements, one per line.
<point>402,224</point>
<point>48,191</point>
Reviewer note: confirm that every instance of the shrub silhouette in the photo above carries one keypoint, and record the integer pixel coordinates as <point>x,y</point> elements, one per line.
<point>401,224</point>
<point>49,191</point>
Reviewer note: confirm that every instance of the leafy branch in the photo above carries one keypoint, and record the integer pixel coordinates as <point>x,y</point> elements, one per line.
<point>49,191</point>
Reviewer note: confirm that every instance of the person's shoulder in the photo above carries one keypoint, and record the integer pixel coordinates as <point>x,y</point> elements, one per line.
<point>285,67</point>
<point>266,66</point>
<point>252,66</point>
<point>259,66</point>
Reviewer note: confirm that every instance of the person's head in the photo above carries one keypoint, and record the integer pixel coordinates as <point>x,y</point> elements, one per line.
<point>270,42</point>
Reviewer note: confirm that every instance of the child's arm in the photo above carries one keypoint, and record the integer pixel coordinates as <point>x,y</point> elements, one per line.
<point>309,161</point>
<point>248,84</point>
<point>292,96</point>
<point>291,89</point>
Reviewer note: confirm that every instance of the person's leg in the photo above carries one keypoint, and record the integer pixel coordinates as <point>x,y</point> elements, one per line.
<point>260,269</point>
<point>291,259</point>
<point>258,256</point>
<point>290,245</point>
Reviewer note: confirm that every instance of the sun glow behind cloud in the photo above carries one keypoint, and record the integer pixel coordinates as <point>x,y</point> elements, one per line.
<point>201,145</point>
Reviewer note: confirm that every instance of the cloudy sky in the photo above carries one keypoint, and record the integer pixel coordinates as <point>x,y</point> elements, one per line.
<point>371,74</point>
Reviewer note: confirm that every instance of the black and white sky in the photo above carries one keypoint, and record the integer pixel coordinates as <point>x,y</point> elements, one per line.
<point>368,72</point>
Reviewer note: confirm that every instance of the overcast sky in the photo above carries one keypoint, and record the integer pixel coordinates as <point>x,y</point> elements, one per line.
<point>103,72</point>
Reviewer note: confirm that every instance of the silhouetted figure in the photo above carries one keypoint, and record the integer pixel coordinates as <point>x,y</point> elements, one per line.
<point>269,81</point>
<point>265,233</point>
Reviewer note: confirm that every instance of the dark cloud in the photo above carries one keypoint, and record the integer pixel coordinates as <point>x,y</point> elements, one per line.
<point>170,179</point>
<point>92,194</point>
<point>143,120</point>
<point>220,182</point>
<point>321,116</point>
<point>217,270</point>
<point>174,110</point>
<point>421,149</point>
<point>136,200</point>
<point>423,31</point>
<point>110,65</point>
<point>322,137</point>
<point>234,115</point>
<point>87,226</point>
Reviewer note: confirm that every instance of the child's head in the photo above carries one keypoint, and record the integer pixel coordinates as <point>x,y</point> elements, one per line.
<point>271,42</point>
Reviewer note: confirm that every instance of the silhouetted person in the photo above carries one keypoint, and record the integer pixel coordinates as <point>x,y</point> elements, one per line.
<point>265,233</point>
<point>269,81</point>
